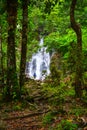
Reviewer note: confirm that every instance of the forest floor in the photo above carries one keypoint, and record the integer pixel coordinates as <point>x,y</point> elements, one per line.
<point>30,114</point>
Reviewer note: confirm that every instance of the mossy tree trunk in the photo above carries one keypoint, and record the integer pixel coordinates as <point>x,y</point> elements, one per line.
<point>11,57</point>
<point>24,42</point>
<point>76,27</point>
<point>1,60</point>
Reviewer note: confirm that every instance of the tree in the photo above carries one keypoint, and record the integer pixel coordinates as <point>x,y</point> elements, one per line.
<point>24,42</point>
<point>2,10</point>
<point>76,27</point>
<point>11,8</point>
<point>1,59</point>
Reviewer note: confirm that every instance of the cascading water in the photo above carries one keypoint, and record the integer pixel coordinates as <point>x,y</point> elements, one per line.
<point>38,67</point>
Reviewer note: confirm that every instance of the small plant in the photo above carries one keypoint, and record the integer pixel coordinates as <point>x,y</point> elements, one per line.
<point>47,118</point>
<point>17,107</point>
<point>66,125</point>
<point>14,95</point>
<point>78,111</point>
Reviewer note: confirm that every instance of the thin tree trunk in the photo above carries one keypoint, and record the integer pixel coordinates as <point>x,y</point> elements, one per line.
<point>24,42</point>
<point>11,58</point>
<point>1,60</point>
<point>0,52</point>
<point>76,27</point>
<point>1,57</point>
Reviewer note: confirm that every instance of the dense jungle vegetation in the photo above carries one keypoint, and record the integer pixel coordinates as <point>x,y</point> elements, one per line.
<point>60,101</point>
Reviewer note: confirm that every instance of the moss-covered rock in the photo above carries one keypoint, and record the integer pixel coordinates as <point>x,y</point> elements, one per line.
<point>55,68</point>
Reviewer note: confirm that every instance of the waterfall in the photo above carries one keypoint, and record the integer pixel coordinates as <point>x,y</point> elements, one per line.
<point>38,67</point>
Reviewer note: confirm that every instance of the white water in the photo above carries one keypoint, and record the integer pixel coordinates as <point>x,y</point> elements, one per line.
<point>38,67</point>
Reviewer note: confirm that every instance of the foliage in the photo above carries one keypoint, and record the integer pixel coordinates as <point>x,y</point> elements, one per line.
<point>52,41</point>
<point>48,118</point>
<point>77,111</point>
<point>17,107</point>
<point>66,125</point>
<point>71,59</point>
<point>55,93</point>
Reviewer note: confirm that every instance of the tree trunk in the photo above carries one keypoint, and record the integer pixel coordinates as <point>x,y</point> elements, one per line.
<point>24,42</point>
<point>11,58</point>
<point>76,27</point>
<point>1,60</point>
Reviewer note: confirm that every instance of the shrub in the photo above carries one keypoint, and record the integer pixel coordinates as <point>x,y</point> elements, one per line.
<point>66,125</point>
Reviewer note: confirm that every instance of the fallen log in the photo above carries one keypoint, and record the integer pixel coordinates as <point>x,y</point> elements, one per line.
<point>26,116</point>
